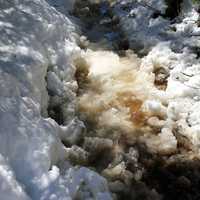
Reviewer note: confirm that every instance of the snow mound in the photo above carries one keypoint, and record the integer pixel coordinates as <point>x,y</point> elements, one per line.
<point>37,46</point>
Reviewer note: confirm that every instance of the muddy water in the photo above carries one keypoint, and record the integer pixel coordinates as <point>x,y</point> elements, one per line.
<point>111,96</point>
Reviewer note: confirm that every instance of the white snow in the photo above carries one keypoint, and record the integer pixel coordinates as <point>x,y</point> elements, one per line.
<point>37,46</point>
<point>10,188</point>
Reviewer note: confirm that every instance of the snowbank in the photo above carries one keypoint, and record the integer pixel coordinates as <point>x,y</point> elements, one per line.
<point>37,46</point>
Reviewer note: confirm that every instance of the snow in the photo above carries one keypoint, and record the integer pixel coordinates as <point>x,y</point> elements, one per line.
<point>125,82</point>
<point>10,188</point>
<point>145,31</point>
<point>142,30</point>
<point>37,46</point>
<point>37,72</point>
<point>62,6</point>
<point>174,52</point>
<point>182,92</point>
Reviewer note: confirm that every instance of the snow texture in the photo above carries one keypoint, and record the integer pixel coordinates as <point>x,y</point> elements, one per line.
<point>173,48</point>
<point>126,86</point>
<point>37,49</point>
<point>37,46</point>
<point>144,29</point>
